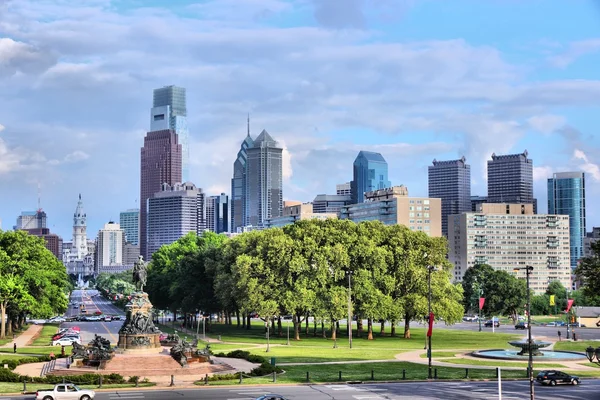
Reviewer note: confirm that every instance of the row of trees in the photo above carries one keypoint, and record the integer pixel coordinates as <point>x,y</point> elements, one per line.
<point>32,280</point>
<point>304,270</point>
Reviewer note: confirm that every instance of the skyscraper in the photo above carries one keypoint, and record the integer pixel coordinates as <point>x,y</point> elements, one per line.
<point>264,174</point>
<point>160,163</point>
<point>239,185</point>
<point>566,196</point>
<point>109,248</point>
<point>174,212</point>
<point>170,112</point>
<point>129,221</point>
<point>370,173</point>
<point>510,179</point>
<point>31,220</point>
<point>451,182</point>
<point>217,213</point>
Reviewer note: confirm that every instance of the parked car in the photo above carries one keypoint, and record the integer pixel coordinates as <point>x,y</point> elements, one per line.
<point>118,318</point>
<point>56,320</point>
<point>521,325</point>
<point>65,391</point>
<point>551,324</point>
<point>488,324</point>
<point>66,341</point>
<point>271,397</point>
<point>94,318</point>
<point>553,378</point>
<point>107,318</point>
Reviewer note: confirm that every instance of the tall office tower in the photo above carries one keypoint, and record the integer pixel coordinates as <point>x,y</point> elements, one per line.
<point>566,196</point>
<point>451,182</point>
<point>330,203</point>
<point>239,185</point>
<point>510,179</point>
<point>174,212</point>
<point>53,241</point>
<point>264,174</point>
<point>31,220</point>
<point>129,221</point>
<point>170,112</point>
<point>370,173</point>
<point>343,189</point>
<point>109,247</point>
<point>80,245</point>
<point>160,163</point>
<point>217,213</point>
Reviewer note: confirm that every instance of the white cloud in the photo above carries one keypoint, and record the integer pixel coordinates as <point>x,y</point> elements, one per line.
<point>589,167</point>
<point>542,173</point>
<point>76,156</point>
<point>546,123</point>
<point>19,57</point>
<point>574,51</point>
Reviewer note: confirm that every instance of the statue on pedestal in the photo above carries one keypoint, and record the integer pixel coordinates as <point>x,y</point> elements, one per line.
<point>140,274</point>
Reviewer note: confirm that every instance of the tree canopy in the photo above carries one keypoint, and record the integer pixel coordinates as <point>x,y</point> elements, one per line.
<point>303,269</point>
<point>588,271</point>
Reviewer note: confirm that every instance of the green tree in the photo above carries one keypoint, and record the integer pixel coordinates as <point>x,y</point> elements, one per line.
<point>504,294</point>
<point>475,278</point>
<point>588,271</point>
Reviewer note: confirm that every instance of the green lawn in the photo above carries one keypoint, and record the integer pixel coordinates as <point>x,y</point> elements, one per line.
<point>16,332</point>
<point>8,387</point>
<point>493,363</point>
<point>578,346</point>
<point>35,350</point>
<point>439,354</point>
<point>45,337</point>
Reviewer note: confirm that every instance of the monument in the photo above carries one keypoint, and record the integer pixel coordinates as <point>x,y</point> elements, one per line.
<point>138,333</point>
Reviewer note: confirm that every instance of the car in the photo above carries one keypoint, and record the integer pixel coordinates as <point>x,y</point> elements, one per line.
<point>488,324</point>
<point>118,318</point>
<point>68,341</point>
<point>94,318</point>
<point>64,391</point>
<point>56,320</point>
<point>107,318</point>
<point>551,324</point>
<point>271,397</point>
<point>554,377</point>
<point>521,325</point>
<point>98,312</point>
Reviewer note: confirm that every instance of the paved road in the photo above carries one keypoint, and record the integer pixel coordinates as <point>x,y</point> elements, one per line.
<point>94,302</point>
<point>590,389</point>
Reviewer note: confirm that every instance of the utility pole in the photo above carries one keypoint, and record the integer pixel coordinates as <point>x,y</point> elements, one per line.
<point>350,308</point>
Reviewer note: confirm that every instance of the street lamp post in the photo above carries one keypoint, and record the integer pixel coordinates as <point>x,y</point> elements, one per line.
<point>268,334</point>
<point>288,332</point>
<point>430,269</point>
<point>350,308</point>
<point>528,270</point>
<point>567,315</point>
<point>591,354</point>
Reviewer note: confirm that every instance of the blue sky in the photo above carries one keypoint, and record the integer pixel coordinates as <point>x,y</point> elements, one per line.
<point>412,79</point>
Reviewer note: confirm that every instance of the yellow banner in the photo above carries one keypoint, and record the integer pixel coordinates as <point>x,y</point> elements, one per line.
<point>552,300</point>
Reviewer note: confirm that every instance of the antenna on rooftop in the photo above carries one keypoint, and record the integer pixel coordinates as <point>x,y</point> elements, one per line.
<point>39,188</point>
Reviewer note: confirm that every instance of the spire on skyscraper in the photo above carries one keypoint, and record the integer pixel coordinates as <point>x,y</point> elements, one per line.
<point>248,124</point>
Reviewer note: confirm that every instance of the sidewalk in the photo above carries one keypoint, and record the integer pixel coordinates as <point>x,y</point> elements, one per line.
<point>25,338</point>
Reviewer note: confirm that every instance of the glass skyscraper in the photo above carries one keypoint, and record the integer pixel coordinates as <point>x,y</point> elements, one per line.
<point>451,182</point>
<point>169,111</point>
<point>370,173</point>
<point>129,221</point>
<point>566,196</point>
<point>239,185</point>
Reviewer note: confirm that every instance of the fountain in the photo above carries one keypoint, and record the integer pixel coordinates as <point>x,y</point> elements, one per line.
<point>523,354</point>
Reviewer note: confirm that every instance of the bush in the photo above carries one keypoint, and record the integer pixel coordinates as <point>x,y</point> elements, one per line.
<point>265,369</point>
<point>7,375</point>
<point>253,358</point>
<point>223,377</point>
<point>245,355</point>
<point>238,354</point>
<point>133,379</point>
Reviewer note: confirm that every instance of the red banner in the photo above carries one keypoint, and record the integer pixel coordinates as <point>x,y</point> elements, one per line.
<point>481,302</point>
<point>430,330</point>
<point>569,304</point>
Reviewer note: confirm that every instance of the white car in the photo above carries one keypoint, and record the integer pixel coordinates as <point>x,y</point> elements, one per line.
<point>56,320</point>
<point>66,341</point>
<point>65,391</point>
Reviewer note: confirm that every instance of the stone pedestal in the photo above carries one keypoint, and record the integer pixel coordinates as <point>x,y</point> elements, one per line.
<point>138,333</point>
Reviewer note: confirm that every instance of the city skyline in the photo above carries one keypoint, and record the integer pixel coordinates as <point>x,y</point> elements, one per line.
<point>338,80</point>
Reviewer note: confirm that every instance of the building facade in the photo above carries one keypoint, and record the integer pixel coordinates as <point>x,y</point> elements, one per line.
<point>476,201</point>
<point>173,213</point>
<point>53,242</point>
<point>109,246</point>
<point>217,213</point>
<point>507,236</point>
<point>78,255</point>
<point>370,172</point>
<point>239,185</point>
<point>451,182</point>
<point>169,111</point>
<point>264,195</point>
<point>393,206</point>
<point>295,213</point>
<point>510,179</point>
<point>330,203</point>
<point>566,196</point>
<point>129,221</point>
<point>344,189</point>
<point>31,220</point>
<point>160,163</point>
<point>590,237</point>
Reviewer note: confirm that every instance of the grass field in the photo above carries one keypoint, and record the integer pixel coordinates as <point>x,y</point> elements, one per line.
<point>440,354</point>
<point>578,346</point>
<point>27,351</point>
<point>45,337</point>
<point>9,387</point>
<point>16,332</point>
<point>493,363</point>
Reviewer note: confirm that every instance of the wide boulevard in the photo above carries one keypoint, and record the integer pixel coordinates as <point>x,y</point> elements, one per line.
<point>589,389</point>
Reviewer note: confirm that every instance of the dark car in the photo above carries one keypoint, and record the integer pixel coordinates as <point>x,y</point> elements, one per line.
<point>521,325</point>
<point>553,378</point>
<point>488,324</point>
<point>271,397</point>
